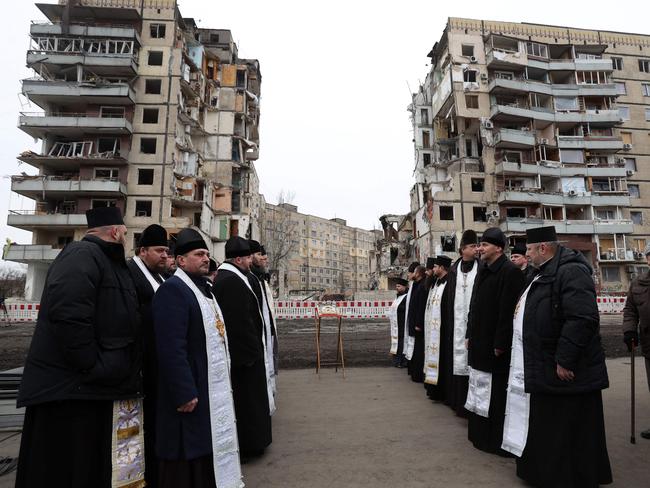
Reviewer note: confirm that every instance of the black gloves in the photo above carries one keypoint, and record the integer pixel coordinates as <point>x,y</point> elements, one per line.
<point>631,337</point>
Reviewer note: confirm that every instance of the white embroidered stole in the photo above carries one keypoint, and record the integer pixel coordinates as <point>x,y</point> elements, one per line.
<point>274,338</point>
<point>432,324</point>
<point>268,336</point>
<point>462,299</point>
<point>267,367</point>
<point>225,446</point>
<point>147,274</point>
<point>394,324</point>
<point>479,392</point>
<point>515,427</point>
<point>406,340</point>
<point>127,444</point>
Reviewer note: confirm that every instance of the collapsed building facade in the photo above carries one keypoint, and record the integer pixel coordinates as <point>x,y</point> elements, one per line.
<point>142,110</point>
<point>524,125</point>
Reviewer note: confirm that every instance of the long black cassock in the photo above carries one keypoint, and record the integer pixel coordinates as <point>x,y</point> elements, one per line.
<point>417,306</point>
<point>245,328</point>
<point>144,285</point>
<point>489,327</point>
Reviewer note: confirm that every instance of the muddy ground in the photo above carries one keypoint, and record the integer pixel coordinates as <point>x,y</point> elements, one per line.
<point>365,342</point>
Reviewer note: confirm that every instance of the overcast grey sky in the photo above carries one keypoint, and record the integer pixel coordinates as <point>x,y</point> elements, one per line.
<point>334,126</point>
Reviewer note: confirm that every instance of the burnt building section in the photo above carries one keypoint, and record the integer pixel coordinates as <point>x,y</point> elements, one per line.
<point>393,250</point>
<point>136,107</point>
<point>522,125</point>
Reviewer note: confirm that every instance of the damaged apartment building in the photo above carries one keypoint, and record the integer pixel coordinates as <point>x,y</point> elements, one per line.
<point>525,125</point>
<point>136,107</point>
<point>311,256</point>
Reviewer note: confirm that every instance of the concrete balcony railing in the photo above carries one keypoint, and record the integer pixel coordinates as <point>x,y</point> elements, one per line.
<point>496,58</point>
<point>45,29</point>
<point>523,113</point>
<point>618,255</point>
<point>534,195</point>
<point>522,85</point>
<point>32,219</point>
<point>513,138</point>
<point>31,253</point>
<point>37,186</point>
<point>44,93</point>
<point>604,64</point>
<point>590,227</point>
<point>592,143</point>
<point>64,124</point>
<point>555,168</point>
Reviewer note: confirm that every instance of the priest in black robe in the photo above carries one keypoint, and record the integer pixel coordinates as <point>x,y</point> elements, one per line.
<point>489,331</point>
<point>565,370</point>
<point>461,282</point>
<point>147,267</point>
<point>401,287</point>
<point>417,307</point>
<point>241,311</point>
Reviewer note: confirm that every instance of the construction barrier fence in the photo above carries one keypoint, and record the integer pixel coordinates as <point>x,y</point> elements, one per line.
<point>292,310</point>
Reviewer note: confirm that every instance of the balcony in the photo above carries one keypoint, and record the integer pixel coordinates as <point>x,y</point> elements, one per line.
<point>186,202</point>
<point>39,186</point>
<point>610,144</point>
<point>603,64</point>
<point>516,139</point>
<point>43,93</point>
<point>545,116</point>
<point>554,168</point>
<point>520,113</point>
<point>590,227</point>
<point>618,255</point>
<point>552,64</point>
<point>72,155</point>
<point>535,195</point>
<point>33,219</point>
<point>522,85</point>
<point>506,59</point>
<point>34,253</point>
<point>605,117</point>
<point>64,124</point>
<point>49,29</point>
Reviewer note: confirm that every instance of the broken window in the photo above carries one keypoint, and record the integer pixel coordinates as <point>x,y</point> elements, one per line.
<point>617,63</point>
<point>446,212</point>
<point>644,65</point>
<point>111,112</point>
<point>516,212</point>
<point>148,145</point>
<point>241,78</point>
<point>145,176</point>
<point>103,203</point>
<point>143,208</point>
<point>537,50</point>
<point>214,38</point>
<point>425,139</point>
<point>155,58</point>
<point>504,75</point>
<point>157,31</point>
<point>471,101</point>
<point>424,116</point>
<point>480,214</point>
<point>150,116</point>
<point>552,213</point>
<point>106,173</point>
<point>108,144</point>
<point>469,151</point>
<point>469,76</point>
<point>153,86</point>
<point>467,50</point>
<point>645,89</point>
<point>478,184</point>
<point>426,159</point>
<point>636,217</point>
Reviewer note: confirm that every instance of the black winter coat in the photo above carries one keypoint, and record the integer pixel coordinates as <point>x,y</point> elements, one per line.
<point>182,371</point>
<point>85,344</point>
<point>489,324</point>
<point>636,314</point>
<point>562,326</point>
<point>417,307</point>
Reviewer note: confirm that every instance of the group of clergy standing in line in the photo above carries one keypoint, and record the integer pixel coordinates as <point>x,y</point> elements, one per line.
<point>156,371</point>
<point>513,345</point>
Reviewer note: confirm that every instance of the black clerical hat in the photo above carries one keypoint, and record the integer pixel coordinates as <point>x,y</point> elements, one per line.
<point>541,234</point>
<point>469,237</point>
<point>401,281</point>
<point>236,247</point>
<point>188,240</point>
<point>262,250</point>
<point>255,246</point>
<point>154,235</point>
<point>213,266</point>
<point>413,265</point>
<point>430,263</point>
<point>495,236</point>
<point>102,216</point>
<point>443,261</point>
<point>171,244</point>
<point>519,248</point>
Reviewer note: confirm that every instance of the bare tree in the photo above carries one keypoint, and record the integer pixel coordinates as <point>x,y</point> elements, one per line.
<point>12,282</point>
<point>280,234</point>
